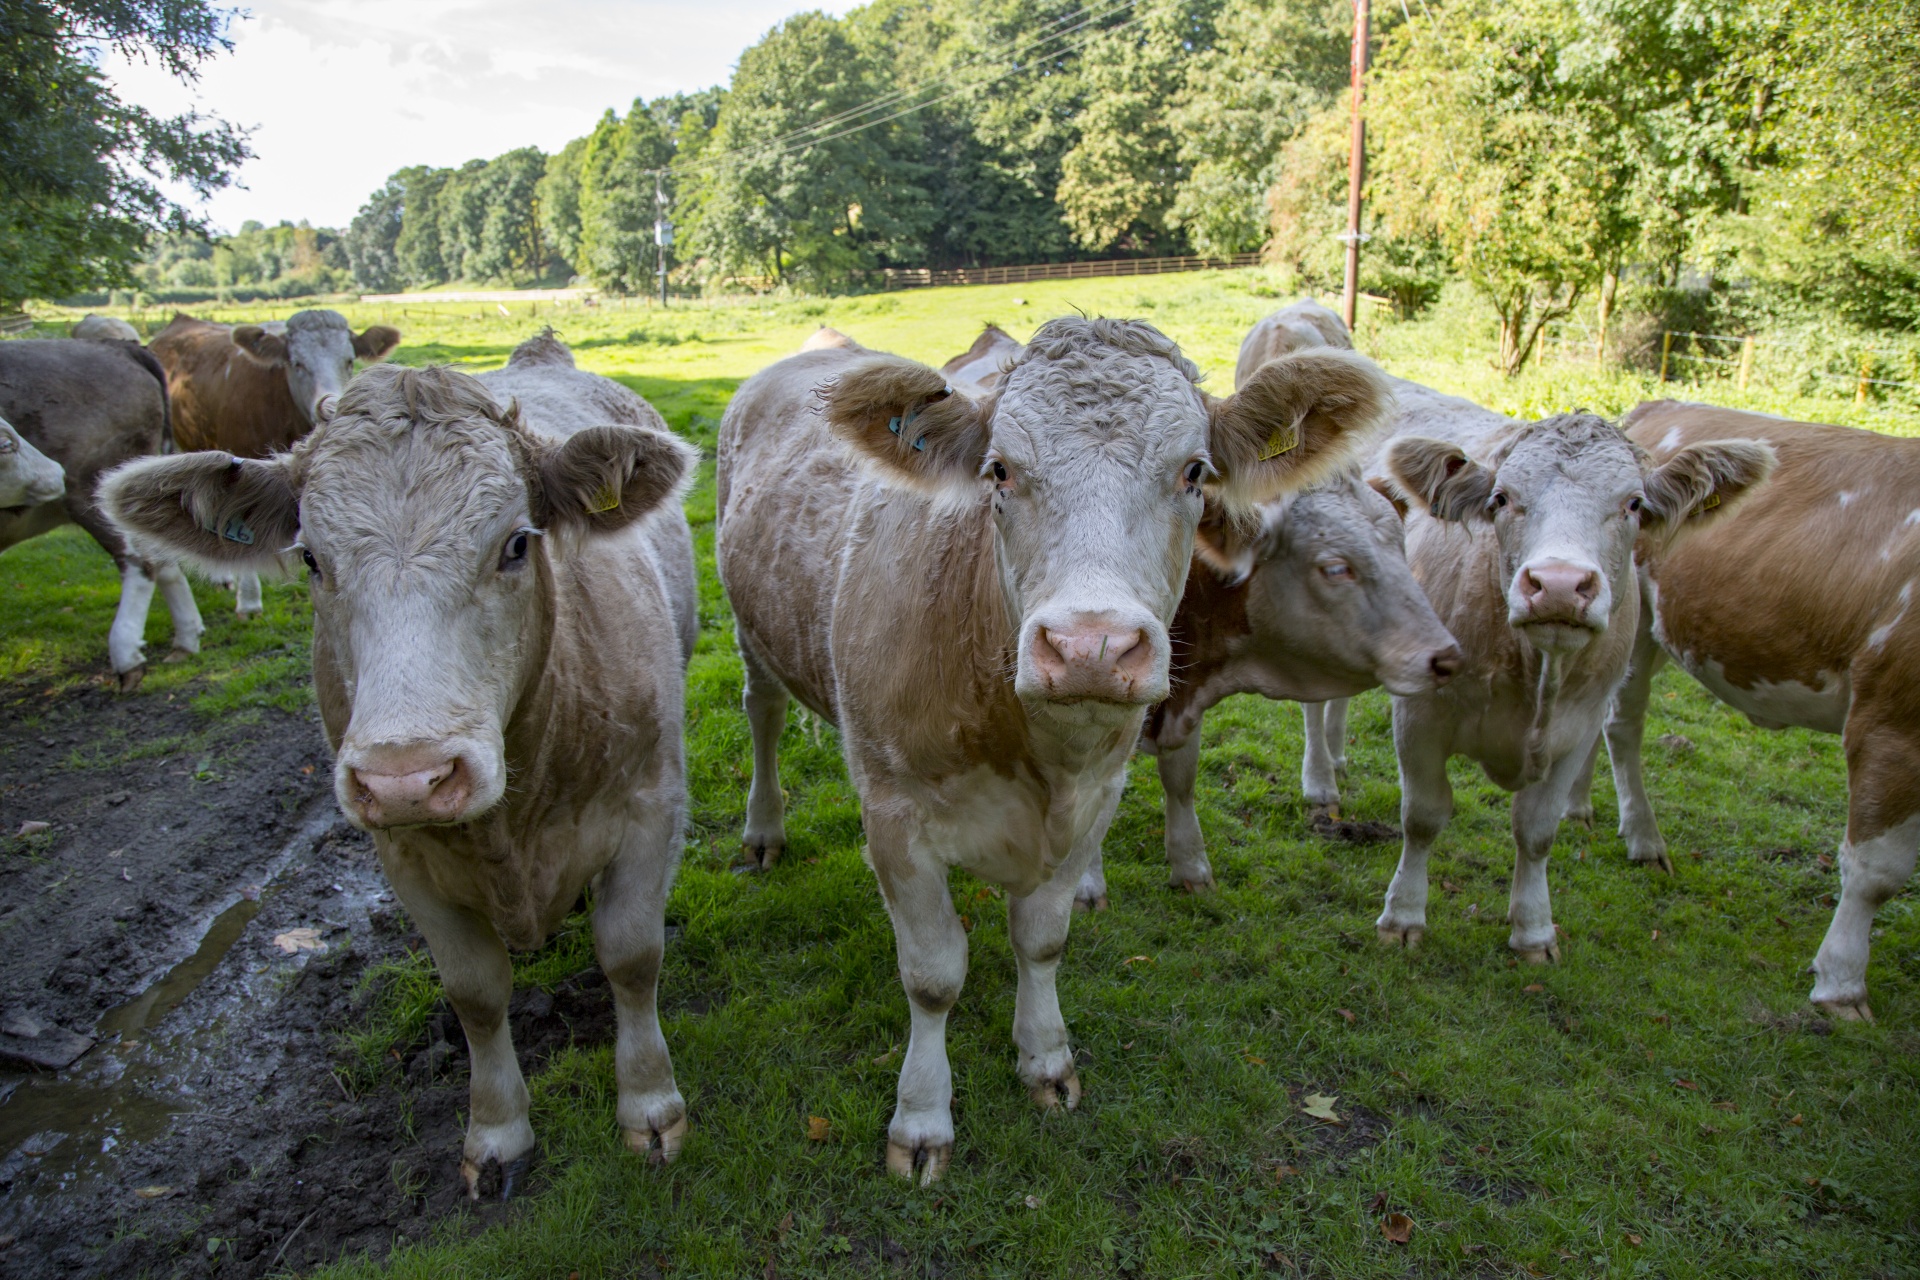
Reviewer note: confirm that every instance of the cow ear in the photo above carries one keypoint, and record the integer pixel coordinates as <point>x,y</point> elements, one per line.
<point>604,478</point>
<point>1227,544</point>
<point>906,422</point>
<point>1298,419</point>
<point>1698,485</point>
<point>267,348</point>
<point>1438,474</point>
<point>1386,490</point>
<point>208,508</point>
<point>375,342</point>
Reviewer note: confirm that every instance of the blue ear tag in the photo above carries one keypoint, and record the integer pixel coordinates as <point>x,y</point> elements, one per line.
<point>893,425</point>
<point>236,530</point>
<point>920,445</point>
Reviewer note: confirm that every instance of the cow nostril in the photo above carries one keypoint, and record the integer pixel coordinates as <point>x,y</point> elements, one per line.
<point>1444,664</point>
<point>1589,587</point>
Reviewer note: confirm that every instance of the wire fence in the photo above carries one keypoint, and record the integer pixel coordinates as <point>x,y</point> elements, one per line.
<point>924,277</point>
<point>1744,359</point>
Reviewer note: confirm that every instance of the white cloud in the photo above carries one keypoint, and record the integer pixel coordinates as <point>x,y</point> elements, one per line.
<point>343,92</point>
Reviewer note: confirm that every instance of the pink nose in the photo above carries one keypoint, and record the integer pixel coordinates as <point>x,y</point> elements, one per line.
<point>437,793</point>
<point>1099,660</point>
<point>1556,591</point>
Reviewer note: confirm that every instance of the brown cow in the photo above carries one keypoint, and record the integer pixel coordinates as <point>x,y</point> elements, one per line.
<point>503,607</point>
<point>252,390</point>
<point>1797,610</point>
<point>976,591</point>
<point>90,406</point>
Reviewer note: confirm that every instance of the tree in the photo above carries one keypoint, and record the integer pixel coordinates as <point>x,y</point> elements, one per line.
<point>617,205</point>
<point>1484,144</point>
<point>80,170</point>
<point>371,238</point>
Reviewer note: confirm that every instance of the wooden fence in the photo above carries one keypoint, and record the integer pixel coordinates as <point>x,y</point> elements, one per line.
<point>924,277</point>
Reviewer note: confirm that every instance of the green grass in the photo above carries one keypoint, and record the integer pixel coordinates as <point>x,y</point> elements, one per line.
<point>1661,1103</point>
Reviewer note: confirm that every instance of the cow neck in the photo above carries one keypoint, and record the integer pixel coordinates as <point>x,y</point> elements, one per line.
<point>1203,639</point>
<point>528,732</point>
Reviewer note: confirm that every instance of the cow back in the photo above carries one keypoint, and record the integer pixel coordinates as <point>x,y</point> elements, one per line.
<point>223,398</point>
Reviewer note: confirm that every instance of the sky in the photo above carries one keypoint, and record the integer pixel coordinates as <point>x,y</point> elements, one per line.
<point>340,93</point>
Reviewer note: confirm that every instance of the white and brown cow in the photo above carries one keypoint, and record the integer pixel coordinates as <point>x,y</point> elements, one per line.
<point>503,601</point>
<point>1797,610</point>
<point>1526,549</point>
<point>976,591</point>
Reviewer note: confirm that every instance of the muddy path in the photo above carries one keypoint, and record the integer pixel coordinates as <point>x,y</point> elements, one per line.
<point>182,951</point>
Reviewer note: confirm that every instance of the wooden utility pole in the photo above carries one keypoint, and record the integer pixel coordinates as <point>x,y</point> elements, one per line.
<point>1356,162</point>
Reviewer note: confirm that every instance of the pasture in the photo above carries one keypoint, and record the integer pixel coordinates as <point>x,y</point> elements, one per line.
<point>1663,1102</point>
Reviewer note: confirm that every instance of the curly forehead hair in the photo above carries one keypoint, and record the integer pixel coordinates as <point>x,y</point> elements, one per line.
<point>1579,431</point>
<point>1078,336</point>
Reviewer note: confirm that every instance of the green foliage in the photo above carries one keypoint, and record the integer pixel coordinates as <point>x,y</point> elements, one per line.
<point>82,193</point>
<point>286,261</point>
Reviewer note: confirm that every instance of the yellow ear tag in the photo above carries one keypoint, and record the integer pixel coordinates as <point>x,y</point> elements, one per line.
<point>1284,439</point>
<point>1713,500</point>
<point>606,498</point>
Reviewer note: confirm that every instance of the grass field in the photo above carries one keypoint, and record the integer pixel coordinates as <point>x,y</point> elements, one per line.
<point>1661,1103</point>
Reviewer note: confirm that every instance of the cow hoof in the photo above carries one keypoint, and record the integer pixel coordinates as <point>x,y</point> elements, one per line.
<point>1408,936</point>
<point>919,1164</point>
<point>1049,1094</point>
<point>1549,954</point>
<point>659,1146</point>
<point>1091,904</point>
<point>1324,812</point>
<point>1582,816</point>
<point>510,1176</point>
<point>178,654</point>
<point>244,614</point>
<point>129,681</point>
<point>761,854</point>
<point>1851,1011</point>
<point>1194,882</point>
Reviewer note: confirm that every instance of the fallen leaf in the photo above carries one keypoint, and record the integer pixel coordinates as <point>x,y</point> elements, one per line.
<point>1449,886</point>
<point>33,828</point>
<point>293,940</point>
<point>1633,1239</point>
<point>1825,861</point>
<point>1663,1019</point>
<point>1797,1118</point>
<point>1347,1014</point>
<point>1255,1060</point>
<point>1471,1249</point>
<point>1138,960</point>
<point>1533,988</point>
<point>1685,1084</point>
<point>1397,1227</point>
<point>1782,923</point>
<point>1724,1106</point>
<point>1281,1172</point>
<point>966,923</point>
<point>818,1128</point>
<point>1320,1107</point>
<point>153,1192</point>
<point>1656,935</point>
<point>1378,1202</point>
<point>1483,1151</point>
<point>1033,1202</point>
<point>786,1225</point>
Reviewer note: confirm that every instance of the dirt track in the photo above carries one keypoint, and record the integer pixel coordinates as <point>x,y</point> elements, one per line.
<point>205,1128</point>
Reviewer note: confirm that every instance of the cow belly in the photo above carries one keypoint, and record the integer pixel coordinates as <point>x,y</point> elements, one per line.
<point>1790,703</point>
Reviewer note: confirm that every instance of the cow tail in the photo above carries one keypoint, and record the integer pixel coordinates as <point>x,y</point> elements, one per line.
<point>151,363</point>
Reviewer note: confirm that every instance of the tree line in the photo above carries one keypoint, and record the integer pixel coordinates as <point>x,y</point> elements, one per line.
<point>1549,152</point>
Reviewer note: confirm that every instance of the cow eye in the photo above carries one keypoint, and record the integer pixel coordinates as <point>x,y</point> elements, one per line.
<point>1196,472</point>
<point>514,553</point>
<point>1634,505</point>
<point>1337,570</point>
<point>7,445</point>
<point>999,471</point>
<point>1499,499</point>
<point>313,566</point>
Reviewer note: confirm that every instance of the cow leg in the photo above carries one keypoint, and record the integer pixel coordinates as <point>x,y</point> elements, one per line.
<point>630,936</point>
<point>1092,893</point>
<point>1323,765</point>
<point>126,638</point>
<point>478,978</point>
<point>187,626</point>
<point>931,946</point>
<point>1426,803</point>
<point>248,602</point>
<point>1187,866</point>
<point>1037,925</point>
<point>1536,818</point>
<point>765,700</point>
<point>1626,728</point>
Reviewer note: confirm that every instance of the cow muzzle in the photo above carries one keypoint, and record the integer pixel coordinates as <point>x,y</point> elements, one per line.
<point>1561,604</point>
<point>1094,657</point>
<point>408,786</point>
<point>1422,672</point>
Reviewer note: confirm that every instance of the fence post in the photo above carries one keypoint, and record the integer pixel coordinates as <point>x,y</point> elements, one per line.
<point>1746,361</point>
<point>1666,347</point>
<point>1866,373</point>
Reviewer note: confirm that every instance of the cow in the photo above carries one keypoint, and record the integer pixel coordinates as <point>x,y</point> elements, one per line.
<point>90,406</point>
<point>251,390</point>
<point>1526,548</point>
<point>976,590</point>
<point>28,477</point>
<point>503,608</point>
<point>1795,610</point>
<point>828,338</point>
<point>93,328</point>
<point>984,363</point>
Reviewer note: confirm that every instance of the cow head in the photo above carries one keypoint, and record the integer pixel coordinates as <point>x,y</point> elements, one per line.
<point>1093,455</point>
<point>1332,605</point>
<point>430,519</point>
<point>1568,498</point>
<point>28,477</point>
<point>317,350</point>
